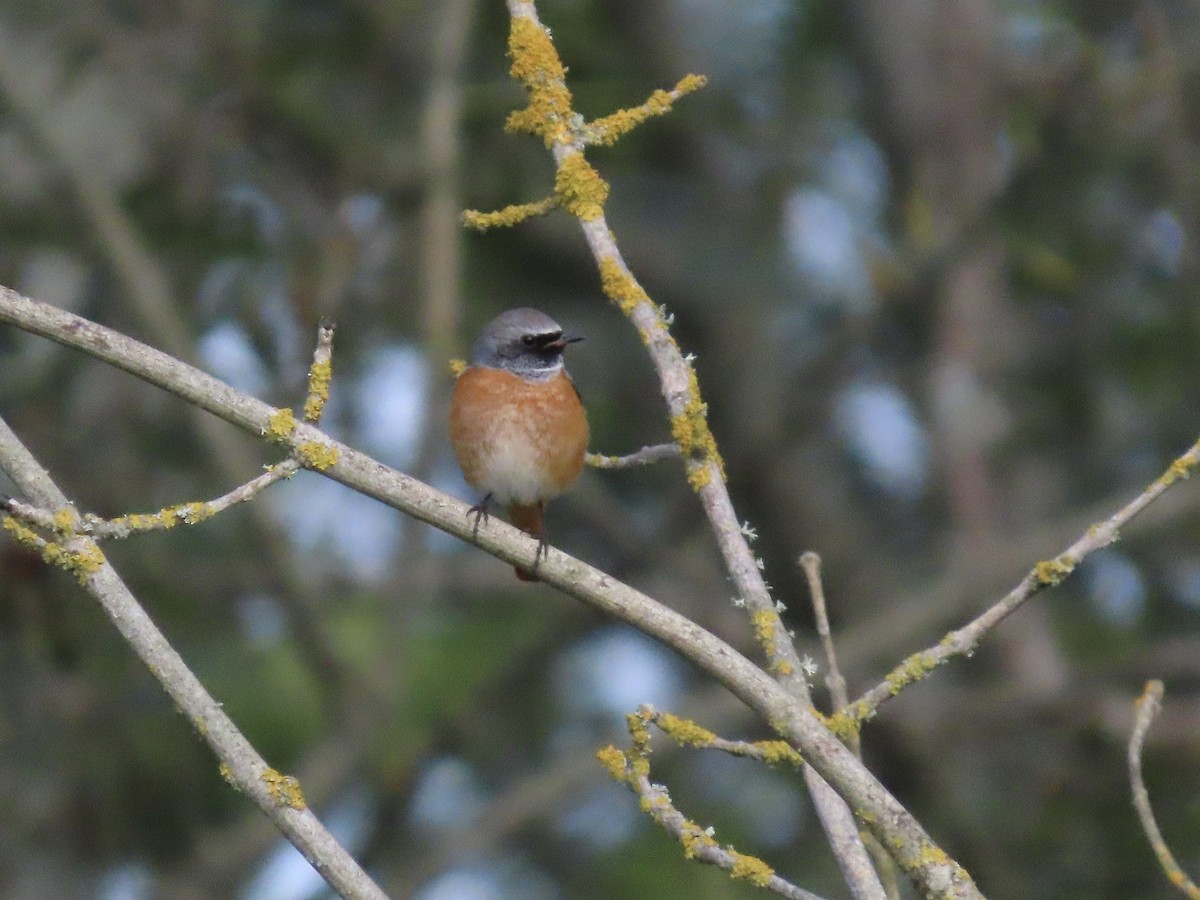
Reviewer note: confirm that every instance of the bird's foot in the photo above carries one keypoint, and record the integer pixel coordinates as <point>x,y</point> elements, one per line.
<point>479,511</point>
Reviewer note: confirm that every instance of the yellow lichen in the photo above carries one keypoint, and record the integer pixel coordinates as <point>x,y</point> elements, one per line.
<point>80,560</point>
<point>609,129</point>
<point>319,378</point>
<point>1052,572</point>
<point>764,629</point>
<point>847,723</point>
<point>694,839</point>
<point>191,513</point>
<point>1181,468</point>
<point>776,753</point>
<point>165,519</point>
<point>64,521</point>
<point>696,442</point>
<point>317,455</point>
<point>536,64</point>
<point>579,188</point>
<point>457,367</point>
<point>750,868</point>
<point>614,763</point>
<point>284,789</point>
<point>637,730</point>
<point>931,854</point>
<point>639,754</point>
<point>685,732</point>
<point>226,773</point>
<point>532,53</point>
<point>699,475</point>
<point>281,424</point>
<point>509,215</point>
<point>912,669</point>
<point>24,534</point>
<point>619,286</point>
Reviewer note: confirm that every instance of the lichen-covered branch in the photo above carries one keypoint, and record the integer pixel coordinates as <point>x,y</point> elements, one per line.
<point>278,796</point>
<point>608,130</point>
<point>1146,709</point>
<point>687,733</point>
<point>931,870</point>
<point>632,768</point>
<point>513,214</point>
<point>550,115</point>
<point>582,192</point>
<point>67,523</point>
<point>1048,573</point>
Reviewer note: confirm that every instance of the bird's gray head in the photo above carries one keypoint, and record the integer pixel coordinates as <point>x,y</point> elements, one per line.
<point>522,341</point>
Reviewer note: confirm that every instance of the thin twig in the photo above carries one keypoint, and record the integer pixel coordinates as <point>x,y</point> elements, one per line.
<point>848,845</point>
<point>632,768</point>
<point>1146,709</point>
<point>644,457</point>
<point>687,733</point>
<point>277,795</point>
<point>701,845</point>
<point>919,856</point>
<point>191,513</point>
<point>882,869</point>
<point>1048,573</point>
<point>194,512</point>
<point>609,129</point>
<point>810,562</point>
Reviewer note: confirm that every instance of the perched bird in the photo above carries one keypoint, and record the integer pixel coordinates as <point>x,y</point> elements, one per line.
<point>516,421</point>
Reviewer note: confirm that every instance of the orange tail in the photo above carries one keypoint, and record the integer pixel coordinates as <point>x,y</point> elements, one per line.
<point>529,520</point>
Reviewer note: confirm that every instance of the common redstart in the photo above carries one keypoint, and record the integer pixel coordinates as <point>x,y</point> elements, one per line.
<point>516,421</point>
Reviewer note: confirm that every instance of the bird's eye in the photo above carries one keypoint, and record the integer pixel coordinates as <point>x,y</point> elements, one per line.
<point>528,340</point>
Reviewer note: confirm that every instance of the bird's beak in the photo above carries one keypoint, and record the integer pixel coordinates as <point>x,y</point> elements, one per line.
<point>564,340</point>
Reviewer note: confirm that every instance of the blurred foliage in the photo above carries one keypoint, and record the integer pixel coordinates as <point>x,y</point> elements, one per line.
<point>937,261</point>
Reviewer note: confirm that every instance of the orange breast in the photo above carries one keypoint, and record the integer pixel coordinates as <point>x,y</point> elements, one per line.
<point>522,441</point>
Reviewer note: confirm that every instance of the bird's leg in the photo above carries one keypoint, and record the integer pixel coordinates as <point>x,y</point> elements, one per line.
<point>543,547</point>
<point>480,511</point>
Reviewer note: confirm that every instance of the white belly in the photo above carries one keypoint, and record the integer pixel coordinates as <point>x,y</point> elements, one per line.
<point>512,472</point>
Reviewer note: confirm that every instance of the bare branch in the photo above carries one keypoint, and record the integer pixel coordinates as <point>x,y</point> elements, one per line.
<point>868,868</point>
<point>644,457</point>
<point>1049,573</point>
<point>810,562</point>
<point>1146,709</point>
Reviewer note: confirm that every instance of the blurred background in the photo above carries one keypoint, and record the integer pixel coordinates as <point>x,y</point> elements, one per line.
<point>933,258</point>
